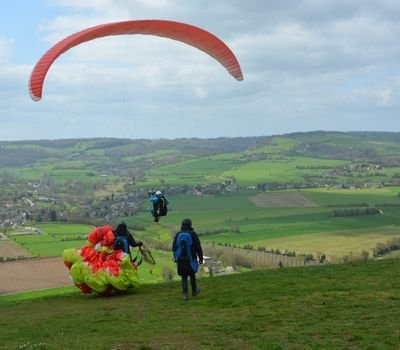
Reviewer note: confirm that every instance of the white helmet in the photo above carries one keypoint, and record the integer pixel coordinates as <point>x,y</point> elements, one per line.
<point>158,193</point>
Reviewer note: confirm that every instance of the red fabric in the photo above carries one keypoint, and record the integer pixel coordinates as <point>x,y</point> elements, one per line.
<point>84,288</point>
<point>113,266</point>
<point>186,33</point>
<point>100,260</point>
<point>101,233</point>
<point>108,239</point>
<point>68,264</point>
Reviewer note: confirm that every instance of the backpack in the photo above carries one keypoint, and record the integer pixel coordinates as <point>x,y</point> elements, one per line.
<point>154,199</point>
<point>162,206</point>
<point>121,243</point>
<point>183,254</point>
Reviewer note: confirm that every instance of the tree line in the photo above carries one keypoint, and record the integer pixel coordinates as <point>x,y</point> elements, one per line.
<point>355,212</point>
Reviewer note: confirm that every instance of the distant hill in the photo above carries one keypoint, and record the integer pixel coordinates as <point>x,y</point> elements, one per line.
<point>87,179</point>
<point>374,146</point>
<point>22,153</point>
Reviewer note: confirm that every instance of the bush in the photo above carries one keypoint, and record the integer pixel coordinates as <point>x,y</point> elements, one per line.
<point>364,255</point>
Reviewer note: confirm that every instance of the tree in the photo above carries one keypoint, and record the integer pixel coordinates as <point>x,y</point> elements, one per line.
<point>53,215</point>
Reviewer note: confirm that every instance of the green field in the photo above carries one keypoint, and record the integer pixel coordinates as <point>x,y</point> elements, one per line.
<point>191,172</point>
<point>240,222</point>
<point>61,172</point>
<point>349,306</point>
<point>303,229</point>
<point>213,169</point>
<point>55,237</point>
<point>286,170</point>
<point>64,229</point>
<point>337,197</point>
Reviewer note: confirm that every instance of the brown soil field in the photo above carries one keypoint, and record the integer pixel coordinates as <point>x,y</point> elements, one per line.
<point>33,274</point>
<point>10,249</point>
<point>281,200</point>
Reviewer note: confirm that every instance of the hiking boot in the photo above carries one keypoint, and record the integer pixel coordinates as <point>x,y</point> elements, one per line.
<point>197,291</point>
<point>185,296</point>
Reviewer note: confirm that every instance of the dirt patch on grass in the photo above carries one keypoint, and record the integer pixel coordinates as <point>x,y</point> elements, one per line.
<point>281,200</point>
<point>10,249</point>
<point>33,274</point>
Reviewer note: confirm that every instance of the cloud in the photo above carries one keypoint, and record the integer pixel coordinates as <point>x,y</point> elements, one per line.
<point>310,64</point>
<point>13,79</point>
<point>5,49</point>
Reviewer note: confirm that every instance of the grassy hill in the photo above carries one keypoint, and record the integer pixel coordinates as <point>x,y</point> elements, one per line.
<point>196,161</point>
<point>351,306</point>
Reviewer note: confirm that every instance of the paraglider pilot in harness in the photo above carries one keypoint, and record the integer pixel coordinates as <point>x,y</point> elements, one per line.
<point>160,204</point>
<point>124,239</point>
<point>188,254</point>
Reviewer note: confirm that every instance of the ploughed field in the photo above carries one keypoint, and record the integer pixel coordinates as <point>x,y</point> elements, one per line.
<point>33,274</point>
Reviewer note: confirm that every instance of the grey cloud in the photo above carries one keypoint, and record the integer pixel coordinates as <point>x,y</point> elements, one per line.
<point>311,64</point>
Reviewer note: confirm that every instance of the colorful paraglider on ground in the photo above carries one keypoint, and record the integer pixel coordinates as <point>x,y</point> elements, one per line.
<point>182,32</point>
<point>97,267</point>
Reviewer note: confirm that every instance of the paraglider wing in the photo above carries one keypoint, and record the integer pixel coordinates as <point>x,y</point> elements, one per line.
<point>185,33</point>
<point>98,268</point>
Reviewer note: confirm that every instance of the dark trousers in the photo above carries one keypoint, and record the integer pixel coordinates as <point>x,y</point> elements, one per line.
<point>185,288</point>
<point>154,212</point>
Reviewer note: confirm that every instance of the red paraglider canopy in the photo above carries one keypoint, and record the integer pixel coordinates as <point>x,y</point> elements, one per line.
<point>186,33</point>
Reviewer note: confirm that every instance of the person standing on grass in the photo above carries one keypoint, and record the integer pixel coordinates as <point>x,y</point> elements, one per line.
<point>188,254</point>
<point>124,239</point>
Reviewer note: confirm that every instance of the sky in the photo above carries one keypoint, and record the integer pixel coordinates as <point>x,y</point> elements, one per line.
<point>308,65</point>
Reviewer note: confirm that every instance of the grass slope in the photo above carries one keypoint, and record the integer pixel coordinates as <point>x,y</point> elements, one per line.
<point>353,306</point>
